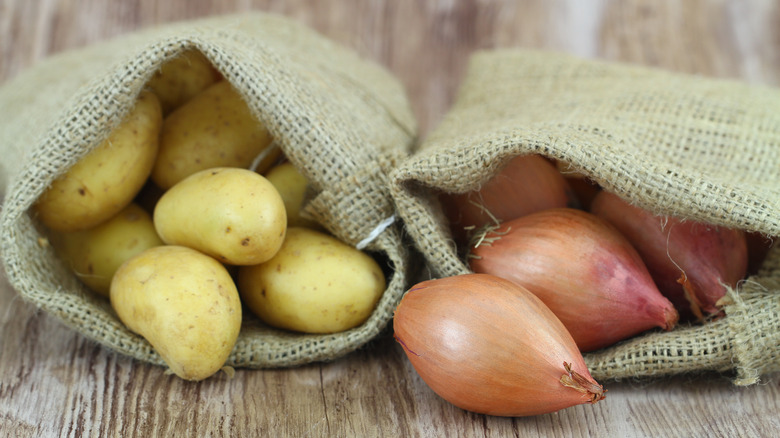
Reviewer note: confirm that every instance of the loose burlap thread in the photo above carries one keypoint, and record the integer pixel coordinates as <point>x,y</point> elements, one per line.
<point>341,120</point>
<point>692,147</point>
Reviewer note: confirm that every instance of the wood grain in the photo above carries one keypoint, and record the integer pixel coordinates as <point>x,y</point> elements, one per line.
<point>53,382</point>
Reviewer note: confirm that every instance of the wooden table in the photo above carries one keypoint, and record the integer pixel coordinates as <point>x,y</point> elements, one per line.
<point>53,382</point>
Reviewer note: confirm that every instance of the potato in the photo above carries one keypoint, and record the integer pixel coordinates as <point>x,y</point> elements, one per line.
<point>96,254</point>
<point>234,215</point>
<point>213,129</point>
<point>180,79</point>
<point>291,185</point>
<point>105,180</point>
<point>184,303</point>
<point>314,284</point>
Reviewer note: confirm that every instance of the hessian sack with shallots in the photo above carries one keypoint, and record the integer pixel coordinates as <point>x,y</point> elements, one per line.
<point>691,147</point>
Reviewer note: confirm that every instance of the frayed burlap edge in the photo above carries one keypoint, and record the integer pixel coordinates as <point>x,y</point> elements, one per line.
<point>744,341</point>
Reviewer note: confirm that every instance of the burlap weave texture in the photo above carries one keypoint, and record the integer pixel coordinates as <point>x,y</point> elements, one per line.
<point>687,146</point>
<point>343,121</point>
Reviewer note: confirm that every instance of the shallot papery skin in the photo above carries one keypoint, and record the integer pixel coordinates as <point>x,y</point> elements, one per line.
<point>527,184</point>
<point>690,261</point>
<point>490,346</point>
<point>583,269</point>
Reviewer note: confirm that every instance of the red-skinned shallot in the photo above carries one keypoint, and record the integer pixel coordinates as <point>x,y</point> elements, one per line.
<point>582,269</point>
<point>688,260</point>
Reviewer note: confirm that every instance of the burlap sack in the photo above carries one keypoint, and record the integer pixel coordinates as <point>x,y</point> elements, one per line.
<point>678,145</point>
<point>341,120</point>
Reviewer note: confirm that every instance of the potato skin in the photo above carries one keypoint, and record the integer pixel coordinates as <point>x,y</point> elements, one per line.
<point>104,181</point>
<point>180,79</point>
<point>234,215</point>
<point>184,303</point>
<point>213,129</point>
<point>96,254</point>
<point>291,185</point>
<point>314,284</point>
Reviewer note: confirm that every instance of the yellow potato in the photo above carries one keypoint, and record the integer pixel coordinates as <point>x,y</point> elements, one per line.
<point>314,284</point>
<point>234,215</point>
<point>181,78</point>
<point>184,303</point>
<point>214,129</point>
<point>291,185</point>
<point>104,181</point>
<point>96,254</point>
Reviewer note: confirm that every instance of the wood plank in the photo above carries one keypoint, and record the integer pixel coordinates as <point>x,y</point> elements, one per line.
<point>53,382</point>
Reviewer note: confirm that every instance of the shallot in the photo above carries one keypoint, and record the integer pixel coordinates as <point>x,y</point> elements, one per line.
<point>582,269</point>
<point>489,346</point>
<point>527,184</point>
<point>691,262</point>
